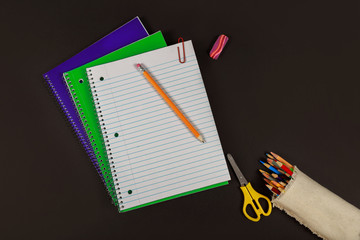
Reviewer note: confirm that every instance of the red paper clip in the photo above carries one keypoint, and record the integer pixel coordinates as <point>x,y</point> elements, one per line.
<point>182,40</point>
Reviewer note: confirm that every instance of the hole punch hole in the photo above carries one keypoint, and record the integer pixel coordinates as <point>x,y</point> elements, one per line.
<point>116,134</point>
<point>81,80</point>
<point>101,78</point>
<point>130,192</point>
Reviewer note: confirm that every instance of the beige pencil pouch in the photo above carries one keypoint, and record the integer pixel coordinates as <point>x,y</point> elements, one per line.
<point>323,212</point>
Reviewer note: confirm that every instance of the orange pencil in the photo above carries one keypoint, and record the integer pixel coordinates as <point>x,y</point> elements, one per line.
<point>170,103</point>
<point>282,160</point>
<point>274,184</point>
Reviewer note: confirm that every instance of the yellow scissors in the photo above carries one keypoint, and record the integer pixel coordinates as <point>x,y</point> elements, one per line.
<point>250,195</point>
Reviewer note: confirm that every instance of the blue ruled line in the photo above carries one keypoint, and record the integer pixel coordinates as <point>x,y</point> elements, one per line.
<point>180,150</point>
<point>176,140</point>
<point>167,164</point>
<point>163,149</point>
<point>162,80</point>
<point>143,114</point>
<point>176,187</point>
<point>182,170</point>
<point>140,77</point>
<point>150,90</point>
<point>152,67</point>
<point>176,120</point>
<point>161,134</point>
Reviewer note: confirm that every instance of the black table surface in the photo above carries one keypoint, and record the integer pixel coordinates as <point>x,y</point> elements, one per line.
<point>287,81</point>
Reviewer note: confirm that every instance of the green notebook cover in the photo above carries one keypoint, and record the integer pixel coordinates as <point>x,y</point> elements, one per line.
<point>78,84</point>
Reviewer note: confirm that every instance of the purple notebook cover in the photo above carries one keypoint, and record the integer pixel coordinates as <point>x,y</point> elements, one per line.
<point>124,35</point>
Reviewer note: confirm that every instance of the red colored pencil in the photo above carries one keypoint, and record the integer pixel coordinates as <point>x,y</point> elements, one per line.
<point>283,167</point>
<point>276,164</point>
<point>282,160</point>
<point>272,189</point>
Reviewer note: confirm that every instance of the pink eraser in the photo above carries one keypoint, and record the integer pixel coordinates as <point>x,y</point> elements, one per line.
<point>218,46</point>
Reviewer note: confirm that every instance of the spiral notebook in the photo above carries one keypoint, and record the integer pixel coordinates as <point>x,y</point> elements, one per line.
<point>78,85</point>
<point>153,156</point>
<point>126,34</point>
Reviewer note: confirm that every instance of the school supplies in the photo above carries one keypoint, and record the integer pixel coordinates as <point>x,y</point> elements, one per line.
<point>218,46</point>
<point>152,157</point>
<point>279,166</point>
<point>279,180</point>
<point>273,189</point>
<point>170,103</point>
<point>250,195</point>
<point>277,157</point>
<point>322,211</point>
<point>78,84</point>
<point>270,167</point>
<point>126,34</point>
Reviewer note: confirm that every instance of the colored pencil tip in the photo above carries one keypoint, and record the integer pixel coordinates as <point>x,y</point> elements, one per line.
<point>262,171</point>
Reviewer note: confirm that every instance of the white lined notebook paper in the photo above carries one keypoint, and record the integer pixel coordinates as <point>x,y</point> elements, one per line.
<point>152,153</point>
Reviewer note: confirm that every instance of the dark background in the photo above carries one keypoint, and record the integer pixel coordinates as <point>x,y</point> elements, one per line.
<point>288,82</point>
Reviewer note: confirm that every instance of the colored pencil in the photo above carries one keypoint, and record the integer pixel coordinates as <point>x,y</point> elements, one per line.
<point>280,175</point>
<point>279,179</point>
<point>270,167</point>
<point>170,103</point>
<point>282,160</point>
<point>278,185</point>
<point>276,164</point>
<point>267,175</point>
<point>274,184</point>
<point>283,167</point>
<point>269,182</point>
<point>282,183</point>
<point>272,189</point>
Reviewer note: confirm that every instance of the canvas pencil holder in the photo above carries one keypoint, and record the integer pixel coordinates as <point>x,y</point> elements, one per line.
<point>326,214</point>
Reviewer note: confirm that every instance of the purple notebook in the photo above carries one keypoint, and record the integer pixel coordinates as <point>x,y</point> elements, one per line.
<point>124,35</point>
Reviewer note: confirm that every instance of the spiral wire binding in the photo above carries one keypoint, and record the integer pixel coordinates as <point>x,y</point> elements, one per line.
<point>105,170</point>
<point>83,140</point>
<point>104,133</point>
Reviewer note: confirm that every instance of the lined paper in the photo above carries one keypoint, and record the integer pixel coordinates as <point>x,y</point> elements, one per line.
<point>152,153</point>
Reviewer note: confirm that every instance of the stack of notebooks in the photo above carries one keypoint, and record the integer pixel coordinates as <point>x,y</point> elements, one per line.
<point>142,151</point>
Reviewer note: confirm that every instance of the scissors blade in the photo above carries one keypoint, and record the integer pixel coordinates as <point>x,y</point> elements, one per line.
<point>237,171</point>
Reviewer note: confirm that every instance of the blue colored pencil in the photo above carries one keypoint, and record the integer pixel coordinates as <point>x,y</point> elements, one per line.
<point>270,167</point>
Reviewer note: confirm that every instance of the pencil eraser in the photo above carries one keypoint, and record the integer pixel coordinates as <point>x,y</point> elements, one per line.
<point>218,46</point>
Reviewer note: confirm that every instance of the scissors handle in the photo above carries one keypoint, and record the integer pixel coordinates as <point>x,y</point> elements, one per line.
<point>249,195</point>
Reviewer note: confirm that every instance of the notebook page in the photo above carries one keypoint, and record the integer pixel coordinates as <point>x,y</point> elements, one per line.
<point>152,153</point>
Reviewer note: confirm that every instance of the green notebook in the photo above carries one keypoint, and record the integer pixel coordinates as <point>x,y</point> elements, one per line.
<point>78,84</point>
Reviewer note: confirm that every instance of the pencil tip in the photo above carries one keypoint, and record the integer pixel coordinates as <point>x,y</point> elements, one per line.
<point>201,139</point>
